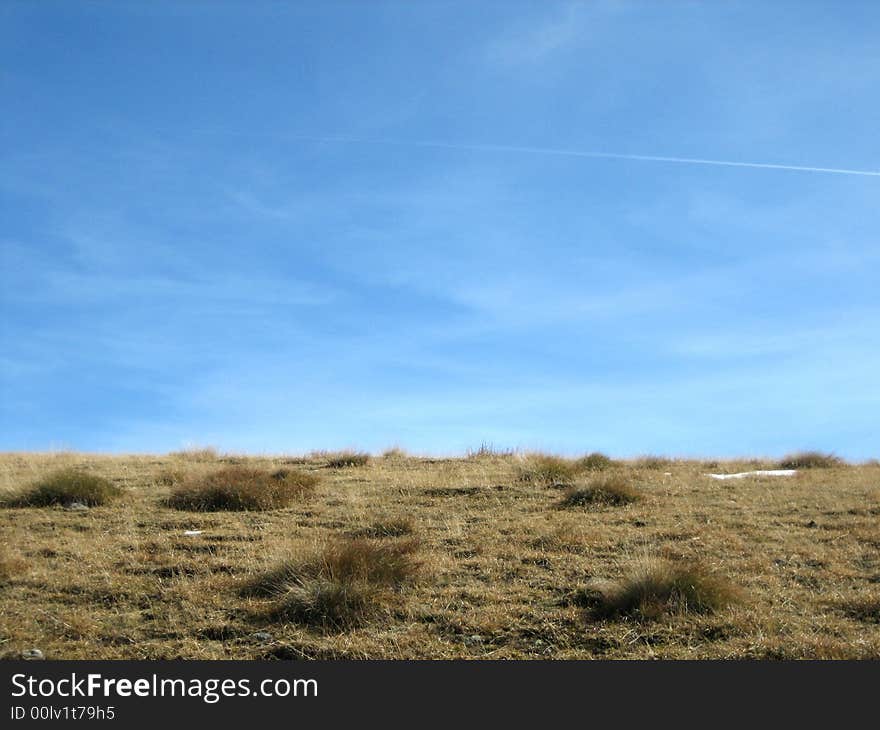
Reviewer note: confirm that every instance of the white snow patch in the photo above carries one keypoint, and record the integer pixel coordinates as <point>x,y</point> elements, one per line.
<point>758,473</point>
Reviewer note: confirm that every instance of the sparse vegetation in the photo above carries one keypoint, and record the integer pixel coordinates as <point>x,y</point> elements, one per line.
<point>393,527</point>
<point>660,588</point>
<point>615,489</point>
<point>562,538</point>
<point>546,469</point>
<point>242,488</point>
<point>343,585</point>
<point>344,459</point>
<point>196,454</point>
<point>503,572</point>
<point>66,487</point>
<point>653,462</point>
<point>488,451</point>
<point>168,477</point>
<point>810,460</point>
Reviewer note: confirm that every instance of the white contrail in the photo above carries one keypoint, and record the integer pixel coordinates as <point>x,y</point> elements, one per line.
<point>591,155</point>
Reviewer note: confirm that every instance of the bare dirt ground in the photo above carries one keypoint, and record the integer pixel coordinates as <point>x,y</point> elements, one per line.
<point>504,570</point>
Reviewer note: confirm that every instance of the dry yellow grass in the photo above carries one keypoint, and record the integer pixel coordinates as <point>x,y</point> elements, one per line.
<point>503,571</point>
<point>238,487</point>
<point>611,489</point>
<point>341,585</point>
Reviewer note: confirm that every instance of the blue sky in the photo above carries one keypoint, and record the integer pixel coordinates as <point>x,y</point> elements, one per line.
<point>221,225</point>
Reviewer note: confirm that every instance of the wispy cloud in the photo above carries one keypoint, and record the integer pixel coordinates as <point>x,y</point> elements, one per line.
<point>535,41</point>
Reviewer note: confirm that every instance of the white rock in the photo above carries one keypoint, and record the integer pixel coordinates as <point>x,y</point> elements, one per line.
<point>192,533</point>
<point>31,654</point>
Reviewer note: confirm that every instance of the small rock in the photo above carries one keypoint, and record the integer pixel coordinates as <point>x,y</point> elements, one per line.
<point>77,507</point>
<point>473,639</point>
<point>31,654</point>
<point>262,636</point>
<point>811,523</point>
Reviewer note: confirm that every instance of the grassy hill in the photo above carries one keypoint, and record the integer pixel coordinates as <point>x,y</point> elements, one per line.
<point>200,555</point>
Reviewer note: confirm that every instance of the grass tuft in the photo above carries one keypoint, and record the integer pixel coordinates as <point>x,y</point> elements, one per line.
<point>547,469</point>
<point>344,459</point>
<point>866,610</point>
<point>665,588</point>
<point>342,585</point>
<point>384,563</point>
<point>653,462</point>
<point>595,462</point>
<point>810,460</point>
<point>242,488</point>
<point>395,453</point>
<point>65,487</point>
<point>487,450</point>
<point>168,477</point>
<point>614,489</point>
<point>329,605</point>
